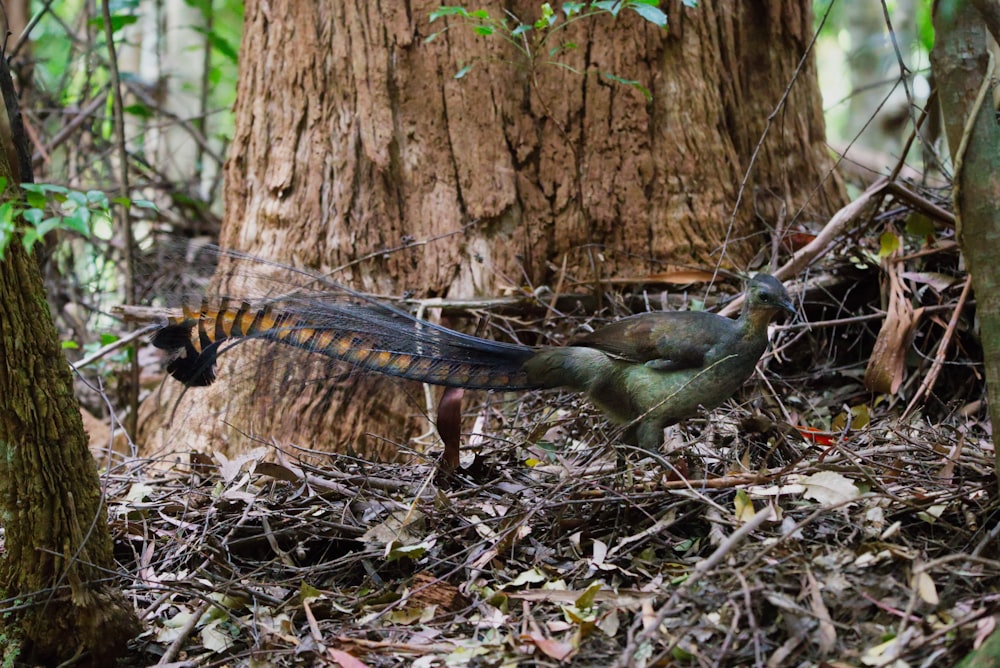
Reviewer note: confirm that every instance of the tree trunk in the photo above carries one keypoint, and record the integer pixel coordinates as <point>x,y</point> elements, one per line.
<point>357,147</point>
<point>961,64</point>
<point>57,548</point>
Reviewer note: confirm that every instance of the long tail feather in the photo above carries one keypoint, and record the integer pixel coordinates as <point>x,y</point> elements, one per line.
<point>371,336</point>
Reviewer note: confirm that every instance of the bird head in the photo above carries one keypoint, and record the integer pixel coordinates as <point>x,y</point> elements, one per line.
<point>766,295</point>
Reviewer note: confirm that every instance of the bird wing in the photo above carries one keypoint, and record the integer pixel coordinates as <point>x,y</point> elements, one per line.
<point>668,341</point>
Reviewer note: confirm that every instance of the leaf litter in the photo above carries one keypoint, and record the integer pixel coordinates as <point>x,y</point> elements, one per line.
<point>809,522</point>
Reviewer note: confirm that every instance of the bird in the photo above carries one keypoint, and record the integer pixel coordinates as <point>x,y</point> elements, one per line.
<point>645,371</point>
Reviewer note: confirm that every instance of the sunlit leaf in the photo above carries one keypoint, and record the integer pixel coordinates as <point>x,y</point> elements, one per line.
<point>888,244</point>
<point>743,506</point>
<point>547,18</point>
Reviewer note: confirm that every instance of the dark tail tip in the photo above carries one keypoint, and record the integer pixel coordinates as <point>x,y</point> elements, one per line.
<point>189,366</point>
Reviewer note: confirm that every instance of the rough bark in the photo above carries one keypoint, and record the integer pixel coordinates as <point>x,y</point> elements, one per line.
<point>354,136</point>
<point>961,64</point>
<point>57,548</point>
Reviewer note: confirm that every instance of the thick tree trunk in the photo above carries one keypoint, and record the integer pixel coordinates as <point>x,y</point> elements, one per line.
<point>57,548</point>
<point>354,137</point>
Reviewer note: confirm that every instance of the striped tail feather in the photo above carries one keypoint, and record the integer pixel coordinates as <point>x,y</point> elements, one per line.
<point>372,336</point>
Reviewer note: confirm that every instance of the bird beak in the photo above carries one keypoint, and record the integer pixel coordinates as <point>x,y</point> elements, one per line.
<point>790,307</point>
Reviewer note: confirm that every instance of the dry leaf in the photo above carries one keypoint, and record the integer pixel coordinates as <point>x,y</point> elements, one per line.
<point>826,634</point>
<point>554,649</point>
<point>887,364</point>
<point>829,488</point>
<point>923,584</point>
<point>345,660</point>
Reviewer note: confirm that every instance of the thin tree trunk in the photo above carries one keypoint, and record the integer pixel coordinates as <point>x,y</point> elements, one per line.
<point>57,548</point>
<point>961,63</point>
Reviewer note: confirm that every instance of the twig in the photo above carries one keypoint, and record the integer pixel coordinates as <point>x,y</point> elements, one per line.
<point>839,223</point>
<point>183,635</point>
<point>932,375</point>
<point>700,569</point>
<point>118,105</point>
<point>111,347</point>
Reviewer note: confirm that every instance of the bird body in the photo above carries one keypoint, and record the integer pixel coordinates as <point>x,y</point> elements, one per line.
<point>647,371</point>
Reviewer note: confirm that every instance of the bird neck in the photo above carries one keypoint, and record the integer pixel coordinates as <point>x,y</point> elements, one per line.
<point>754,321</point>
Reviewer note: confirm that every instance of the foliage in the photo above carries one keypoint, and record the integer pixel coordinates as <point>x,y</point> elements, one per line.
<point>178,122</point>
<point>533,41</point>
<point>48,207</point>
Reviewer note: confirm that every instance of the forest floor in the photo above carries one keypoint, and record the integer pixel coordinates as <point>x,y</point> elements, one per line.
<point>878,548</point>
<point>808,522</point>
<point>745,542</point>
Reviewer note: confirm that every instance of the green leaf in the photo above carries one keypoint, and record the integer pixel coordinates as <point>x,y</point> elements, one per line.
<point>139,110</point>
<point>98,198</point>
<point>70,345</point>
<point>44,189</point>
<point>486,30</point>
<point>107,338</point>
<point>690,3</point>
<point>145,204</point>
<point>7,216</point>
<point>29,236</point>
<point>118,21</point>
<point>556,50</point>
<point>462,72</point>
<point>571,8</point>
<point>33,216</point>
<point>77,197</point>
<point>400,551</point>
<point>920,225</point>
<point>888,244</point>
<point>610,6</point>
<point>585,600</point>
<point>630,82</point>
<point>223,47</point>
<point>307,592</point>
<point>650,12</point>
<point>36,200</point>
<point>547,18</point>
<point>78,221</point>
<point>48,225</point>
<point>448,11</point>
<point>520,30</point>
